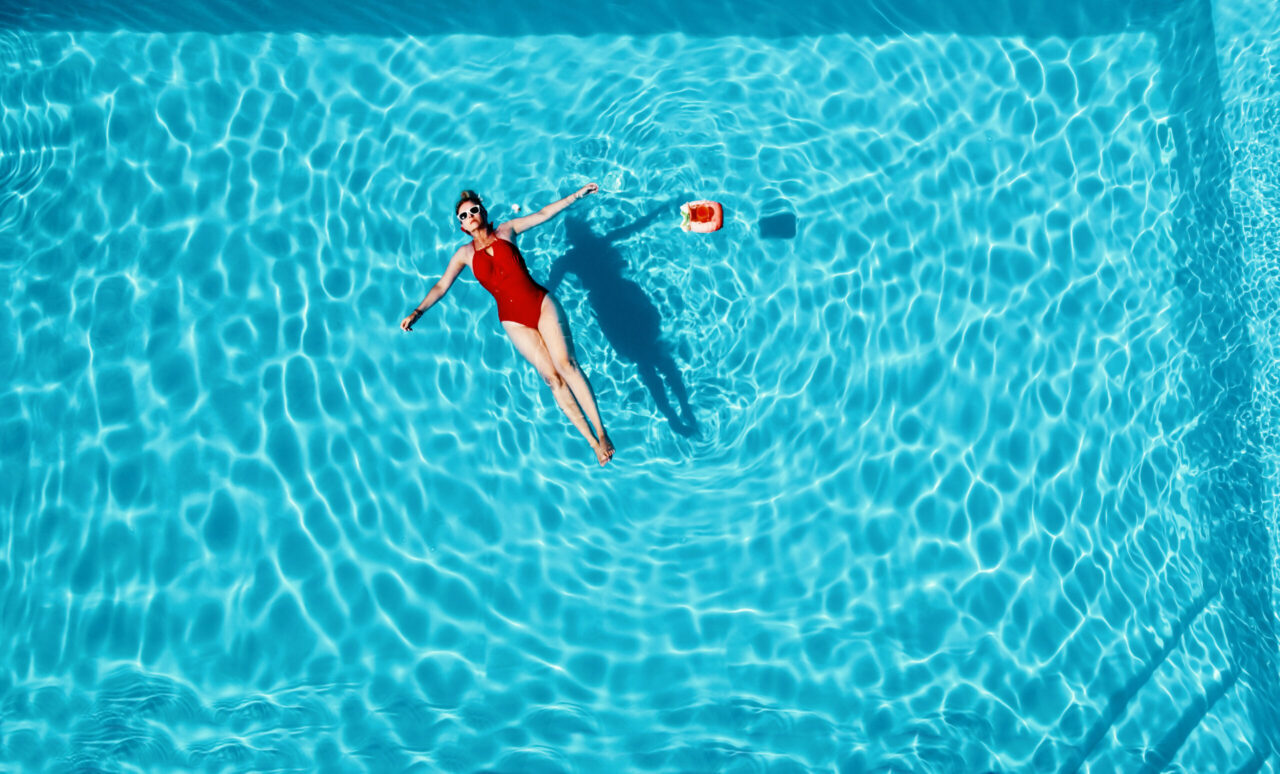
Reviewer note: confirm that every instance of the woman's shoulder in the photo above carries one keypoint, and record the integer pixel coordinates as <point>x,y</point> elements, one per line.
<point>464,252</point>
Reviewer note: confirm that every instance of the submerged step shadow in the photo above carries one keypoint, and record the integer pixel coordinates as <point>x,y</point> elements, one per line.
<point>1119,700</point>
<point>1167,748</point>
<point>1261,752</point>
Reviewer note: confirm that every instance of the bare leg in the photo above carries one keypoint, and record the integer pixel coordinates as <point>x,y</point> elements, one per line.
<point>529,343</point>
<point>551,328</point>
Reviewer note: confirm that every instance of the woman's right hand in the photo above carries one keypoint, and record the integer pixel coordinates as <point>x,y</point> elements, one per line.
<point>407,323</point>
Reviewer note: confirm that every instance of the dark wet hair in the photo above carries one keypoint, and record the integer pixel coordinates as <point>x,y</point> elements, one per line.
<point>468,196</point>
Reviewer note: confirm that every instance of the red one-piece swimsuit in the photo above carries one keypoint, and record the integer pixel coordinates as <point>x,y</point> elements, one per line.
<point>505,275</point>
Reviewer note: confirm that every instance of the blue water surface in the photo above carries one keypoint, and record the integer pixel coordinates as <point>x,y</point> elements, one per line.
<point>953,451</point>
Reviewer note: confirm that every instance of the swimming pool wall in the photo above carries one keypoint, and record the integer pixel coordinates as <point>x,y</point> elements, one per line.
<point>752,18</point>
<point>1227,290</point>
<point>1248,39</point>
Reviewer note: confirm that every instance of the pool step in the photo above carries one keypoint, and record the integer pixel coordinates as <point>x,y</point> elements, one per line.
<point>1185,710</point>
<point>1197,723</point>
<point>1262,762</point>
<point>1223,736</point>
<point>1119,704</point>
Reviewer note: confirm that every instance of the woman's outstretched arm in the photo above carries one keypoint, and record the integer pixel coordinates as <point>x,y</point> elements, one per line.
<point>551,210</point>
<point>437,290</point>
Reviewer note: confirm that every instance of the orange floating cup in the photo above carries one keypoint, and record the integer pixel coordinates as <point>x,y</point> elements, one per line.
<point>701,216</point>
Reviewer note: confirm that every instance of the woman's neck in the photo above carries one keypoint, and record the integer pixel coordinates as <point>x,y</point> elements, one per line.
<point>482,234</point>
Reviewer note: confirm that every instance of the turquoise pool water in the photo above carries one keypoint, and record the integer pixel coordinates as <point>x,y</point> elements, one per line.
<point>954,451</point>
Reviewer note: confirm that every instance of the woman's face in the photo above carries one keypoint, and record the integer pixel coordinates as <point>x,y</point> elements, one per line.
<point>470,216</point>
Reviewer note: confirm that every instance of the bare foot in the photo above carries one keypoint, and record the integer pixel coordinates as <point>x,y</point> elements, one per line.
<point>604,449</point>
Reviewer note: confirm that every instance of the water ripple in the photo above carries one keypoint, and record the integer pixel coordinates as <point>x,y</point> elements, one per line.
<point>902,480</point>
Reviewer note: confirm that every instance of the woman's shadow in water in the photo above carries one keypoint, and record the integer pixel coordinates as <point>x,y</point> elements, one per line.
<point>628,319</point>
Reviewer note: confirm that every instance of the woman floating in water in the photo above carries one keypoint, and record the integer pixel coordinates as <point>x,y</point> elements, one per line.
<point>527,311</point>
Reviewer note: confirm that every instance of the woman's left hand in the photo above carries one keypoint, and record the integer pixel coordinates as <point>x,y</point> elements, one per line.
<point>589,188</point>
